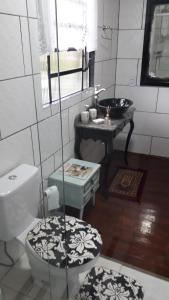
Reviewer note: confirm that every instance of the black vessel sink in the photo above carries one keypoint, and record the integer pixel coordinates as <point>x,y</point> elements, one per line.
<point>117,106</point>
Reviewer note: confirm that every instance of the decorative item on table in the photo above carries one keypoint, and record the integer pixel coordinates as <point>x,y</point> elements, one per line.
<point>75,170</point>
<point>98,121</point>
<point>92,113</point>
<point>107,120</point>
<point>85,115</point>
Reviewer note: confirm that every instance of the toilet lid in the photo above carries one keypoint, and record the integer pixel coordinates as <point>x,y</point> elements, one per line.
<point>47,239</point>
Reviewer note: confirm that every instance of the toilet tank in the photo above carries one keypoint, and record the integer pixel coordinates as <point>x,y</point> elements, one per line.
<point>19,200</point>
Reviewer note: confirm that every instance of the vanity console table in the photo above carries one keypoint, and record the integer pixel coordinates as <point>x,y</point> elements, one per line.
<point>105,133</point>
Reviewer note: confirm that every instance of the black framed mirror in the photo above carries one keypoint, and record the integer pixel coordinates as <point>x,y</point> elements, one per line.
<point>155,63</point>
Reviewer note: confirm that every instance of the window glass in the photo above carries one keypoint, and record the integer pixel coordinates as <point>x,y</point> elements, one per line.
<point>71,84</point>
<point>76,79</point>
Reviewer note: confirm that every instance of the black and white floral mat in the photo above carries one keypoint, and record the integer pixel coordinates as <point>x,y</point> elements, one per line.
<point>71,243</point>
<point>105,284</point>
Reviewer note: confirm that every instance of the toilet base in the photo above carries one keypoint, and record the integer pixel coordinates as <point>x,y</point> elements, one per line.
<point>57,278</point>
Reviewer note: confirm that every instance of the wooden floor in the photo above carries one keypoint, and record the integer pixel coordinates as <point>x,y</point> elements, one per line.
<point>137,234</point>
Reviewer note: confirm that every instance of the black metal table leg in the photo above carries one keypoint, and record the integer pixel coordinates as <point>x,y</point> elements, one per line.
<point>128,141</point>
<point>105,163</point>
<point>77,146</point>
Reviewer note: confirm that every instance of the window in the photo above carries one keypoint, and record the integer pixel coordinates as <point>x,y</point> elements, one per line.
<point>75,49</point>
<point>74,74</point>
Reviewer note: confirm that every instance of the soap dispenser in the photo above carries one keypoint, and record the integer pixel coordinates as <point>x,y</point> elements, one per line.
<point>85,115</point>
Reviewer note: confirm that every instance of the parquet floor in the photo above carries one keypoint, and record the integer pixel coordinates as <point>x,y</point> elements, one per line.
<point>135,233</point>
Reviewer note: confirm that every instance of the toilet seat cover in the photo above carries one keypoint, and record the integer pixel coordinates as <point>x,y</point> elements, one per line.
<point>47,239</point>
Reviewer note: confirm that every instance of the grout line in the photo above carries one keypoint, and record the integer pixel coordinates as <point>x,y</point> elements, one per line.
<point>33,150</point>
<point>145,135</point>
<point>22,76</point>
<point>22,45</point>
<point>157,101</point>
<point>137,73</point>
<point>117,48</point>
<point>126,58</point>
<point>15,15</point>
<point>151,145</point>
<point>16,132</point>
<point>131,29</point>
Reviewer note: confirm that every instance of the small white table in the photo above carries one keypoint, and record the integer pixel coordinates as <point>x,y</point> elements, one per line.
<point>78,190</point>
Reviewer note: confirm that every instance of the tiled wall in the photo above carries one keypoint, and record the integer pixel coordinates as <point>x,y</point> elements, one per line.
<point>21,111</point>
<point>151,134</point>
<point>105,66</point>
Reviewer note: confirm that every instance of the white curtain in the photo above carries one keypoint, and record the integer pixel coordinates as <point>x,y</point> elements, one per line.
<point>77,24</point>
<point>92,10</point>
<point>46,26</point>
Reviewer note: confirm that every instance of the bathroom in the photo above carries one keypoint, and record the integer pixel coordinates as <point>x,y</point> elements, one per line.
<point>43,136</point>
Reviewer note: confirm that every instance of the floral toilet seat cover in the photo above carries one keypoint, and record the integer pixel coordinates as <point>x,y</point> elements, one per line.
<point>47,239</point>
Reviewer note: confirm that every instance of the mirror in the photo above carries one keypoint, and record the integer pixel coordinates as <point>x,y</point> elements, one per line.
<point>155,64</point>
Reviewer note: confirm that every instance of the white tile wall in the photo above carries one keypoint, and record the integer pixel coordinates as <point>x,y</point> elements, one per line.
<point>73,112</point>
<point>144,98</point>
<point>130,43</point>
<point>88,101</point>
<point>104,49</point>
<point>26,47</point>
<point>58,159</point>
<point>107,43</point>
<point>126,72</point>
<point>98,73</point>
<point>144,14</point>
<point>33,25</point>
<point>42,112</point>
<point>35,144</point>
<point>111,9</point>
<point>138,144</point>
<point>50,136</point>
<point>68,151</point>
<point>17,107</point>
<point>11,58</point>
<point>160,147</point>
<point>152,124</point>
<point>163,101</point>
<point>108,75</point>
<point>152,105</point>
<point>48,167</point>
<point>16,7</point>
<point>100,12</point>
<point>15,150</point>
<point>114,43</point>
<point>108,93</point>
<point>130,14</point>
<point>70,101</point>
<point>32,8</point>
<point>65,126</point>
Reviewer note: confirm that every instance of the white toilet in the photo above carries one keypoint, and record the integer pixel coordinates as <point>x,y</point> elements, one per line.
<point>19,201</point>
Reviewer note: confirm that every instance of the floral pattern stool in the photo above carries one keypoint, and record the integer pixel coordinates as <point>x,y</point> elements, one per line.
<point>105,284</point>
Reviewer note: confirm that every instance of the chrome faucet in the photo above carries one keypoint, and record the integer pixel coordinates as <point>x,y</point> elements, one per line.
<point>97,91</point>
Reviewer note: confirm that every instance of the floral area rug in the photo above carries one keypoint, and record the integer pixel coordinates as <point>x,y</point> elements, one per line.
<point>128,184</point>
<point>105,284</point>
